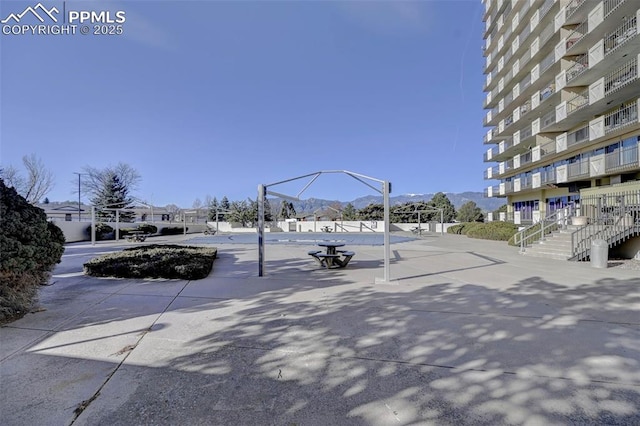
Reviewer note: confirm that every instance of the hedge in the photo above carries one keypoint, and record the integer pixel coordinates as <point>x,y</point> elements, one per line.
<point>499,231</point>
<point>30,248</point>
<point>154,261</point>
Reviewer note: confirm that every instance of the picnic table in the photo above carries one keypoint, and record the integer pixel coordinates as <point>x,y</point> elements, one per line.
<point>332,258</point>
<point>137,236</point>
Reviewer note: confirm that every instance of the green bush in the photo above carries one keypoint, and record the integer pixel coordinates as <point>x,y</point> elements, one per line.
<point>102,230</point>
<point>154,261</point>
<point>456,229</point>
<point>148,228</point>
<point>498,231</point>
<point>30,248</point>
<point>174,230</point>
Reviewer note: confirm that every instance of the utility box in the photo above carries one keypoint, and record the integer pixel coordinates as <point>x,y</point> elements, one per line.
<point>599,254</point>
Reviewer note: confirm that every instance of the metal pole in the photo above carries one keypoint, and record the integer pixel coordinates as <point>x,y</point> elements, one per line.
<point>261,194</point>
<point>117,224</point>
<point>217,226</point>
<point>79,202</point>
<point>441,221</point>
<point>387,244</point>
<point>93,225</point>
<point>184,223</point>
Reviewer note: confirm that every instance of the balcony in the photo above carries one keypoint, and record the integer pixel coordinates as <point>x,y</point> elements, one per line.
<point>548,176</point>
<point>578,33</point>
<point>578,136</point>
<point>578,170</point>
<point>621,77</point>
<point>610,5</point>
<point>581,64</point>
<point>620,36</point>
<point>577,102</point>
<point>548,119</point>
<point>624,117</point>
<point>572,7</point>
<point>622,159</point>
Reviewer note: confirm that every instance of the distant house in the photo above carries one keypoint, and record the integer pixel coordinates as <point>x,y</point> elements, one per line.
<point>65,212</point>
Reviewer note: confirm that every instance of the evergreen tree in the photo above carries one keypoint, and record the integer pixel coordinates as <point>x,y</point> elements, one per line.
<point>372,212</point>
<point>470,212</point>
<point>287,210</point>
<point>113,195</point>
<point>213,208</point>
<point>349,212</point>
<point>224,205</point>
<point>441,201</point>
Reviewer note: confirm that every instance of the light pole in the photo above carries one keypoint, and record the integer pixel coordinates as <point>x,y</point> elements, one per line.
<point>79,174</point>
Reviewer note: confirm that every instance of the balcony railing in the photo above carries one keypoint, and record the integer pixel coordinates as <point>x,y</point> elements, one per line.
<point>578,136</point>
<point>622,118</point>
<point>579,101</point>
<point>525,108</point>
<point>621,159</point>
<point>548,119</point>
<point>572,7</point>
<point>548,176</point>
<point>525,133</point>
<point>621,77</point>
<point>546,7</point>
<point>610,5</point>
<point>525,82</point>
<point>547,62</point>
<point>547,91</point>
<point>547,33</point>
<point>581,65</point>
<point>525,182</point>
<point>579,169</point>
<point>620,36</point>
<point>577,34</point>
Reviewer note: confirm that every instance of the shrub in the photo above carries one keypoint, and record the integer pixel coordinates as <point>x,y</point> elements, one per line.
<point>456,229</point>
<point>498,231</point>
<point>148,228</point>
<point>154,261</point>
<point>173,230</point>
<point>102,230</point>
<point>30,248</point>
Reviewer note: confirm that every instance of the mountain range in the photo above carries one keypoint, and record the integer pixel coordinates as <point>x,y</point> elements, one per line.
<point>457,199</point>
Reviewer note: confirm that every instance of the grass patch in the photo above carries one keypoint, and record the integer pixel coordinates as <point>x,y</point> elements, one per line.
<point>154,261</point>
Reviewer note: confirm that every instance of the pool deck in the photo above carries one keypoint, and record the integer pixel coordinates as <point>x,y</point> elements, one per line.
<point>469,332</point>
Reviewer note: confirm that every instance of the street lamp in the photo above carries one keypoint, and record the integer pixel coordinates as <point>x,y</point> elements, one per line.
<point>79,174</point>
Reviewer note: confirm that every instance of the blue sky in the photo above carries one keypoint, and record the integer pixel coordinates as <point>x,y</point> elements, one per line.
<point>216,97</point>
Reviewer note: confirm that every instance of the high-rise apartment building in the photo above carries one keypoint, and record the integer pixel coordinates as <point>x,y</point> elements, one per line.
<point>562,100</point>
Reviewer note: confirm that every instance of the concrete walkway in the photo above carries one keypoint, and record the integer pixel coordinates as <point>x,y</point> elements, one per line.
<point>471,333</point>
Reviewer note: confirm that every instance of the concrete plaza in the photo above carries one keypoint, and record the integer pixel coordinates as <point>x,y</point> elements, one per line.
<point>470,332</point>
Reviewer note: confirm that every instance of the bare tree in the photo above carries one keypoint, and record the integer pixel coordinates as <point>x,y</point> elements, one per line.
<point>37,183</point>
<point>94,180</point>
<point>197,203</point>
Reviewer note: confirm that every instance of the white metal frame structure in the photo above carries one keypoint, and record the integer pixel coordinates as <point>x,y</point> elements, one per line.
<point>385,190</point>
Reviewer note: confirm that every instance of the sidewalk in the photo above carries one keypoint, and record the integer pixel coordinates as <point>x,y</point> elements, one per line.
<point>470,332</point>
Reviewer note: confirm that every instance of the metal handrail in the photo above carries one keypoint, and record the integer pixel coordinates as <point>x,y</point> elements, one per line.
<point>613,217</point>
<point>557,219</point>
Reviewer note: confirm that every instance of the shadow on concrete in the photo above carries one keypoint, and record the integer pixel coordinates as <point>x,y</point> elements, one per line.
<point>308,347</point>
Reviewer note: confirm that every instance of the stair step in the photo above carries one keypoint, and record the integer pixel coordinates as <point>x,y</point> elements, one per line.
<point>546,255</point>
